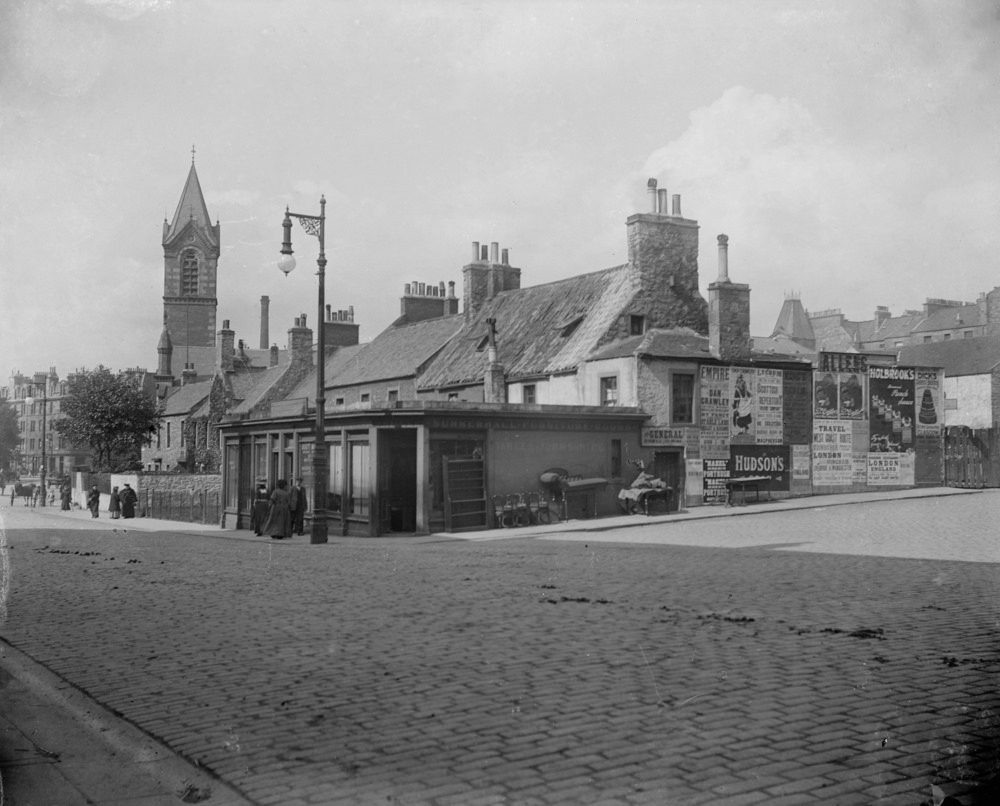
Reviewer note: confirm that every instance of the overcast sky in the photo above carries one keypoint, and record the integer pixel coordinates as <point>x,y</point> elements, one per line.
<point>850,150</point>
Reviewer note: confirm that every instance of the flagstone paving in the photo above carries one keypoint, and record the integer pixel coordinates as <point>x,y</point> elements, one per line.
<point>536,671</point>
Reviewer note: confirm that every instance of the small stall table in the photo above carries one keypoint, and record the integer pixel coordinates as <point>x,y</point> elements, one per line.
<point>743,484</point>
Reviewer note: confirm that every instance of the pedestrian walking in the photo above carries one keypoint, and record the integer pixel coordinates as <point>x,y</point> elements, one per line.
<point>128,501</point>
<point>67,497</point>
<point>279,514</point>
<point>94,502</point>
<point>115,508</point>
<point>260,507</point>
<point>299,505</point>
<point>35,490</point>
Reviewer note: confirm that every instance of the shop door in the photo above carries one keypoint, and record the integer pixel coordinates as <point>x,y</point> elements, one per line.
<point>669,467</point>
<point>397,481</point>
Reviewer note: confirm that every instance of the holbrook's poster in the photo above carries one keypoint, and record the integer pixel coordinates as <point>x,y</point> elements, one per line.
<point>891,409</point>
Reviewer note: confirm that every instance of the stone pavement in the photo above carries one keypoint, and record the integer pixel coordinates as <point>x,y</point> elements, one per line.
<point>756,664</point>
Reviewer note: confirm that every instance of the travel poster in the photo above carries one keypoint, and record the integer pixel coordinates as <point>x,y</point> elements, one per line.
<point>832,463</point>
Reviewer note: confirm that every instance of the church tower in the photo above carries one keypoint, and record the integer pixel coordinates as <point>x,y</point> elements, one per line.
<point>190,265</point>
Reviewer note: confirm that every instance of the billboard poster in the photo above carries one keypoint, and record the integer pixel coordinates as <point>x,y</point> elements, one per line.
<point>744,397</point>
<point>715,410</point>
<point>832,455</point>
<point>851,396</point>
<point>770,407</point>
<point>890,469</point>
<point>891,409</point>
<point>801,462</point>
<point>796,392</point>
<point>715,476</point>
<point>927,401</point>
<point>825,391</point>
<point>772,461</point>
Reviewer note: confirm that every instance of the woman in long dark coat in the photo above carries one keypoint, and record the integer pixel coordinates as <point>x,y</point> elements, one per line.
<point>94,502</point>
<point>129,499</point>
<point>279,516</point>
<point>115,507</point>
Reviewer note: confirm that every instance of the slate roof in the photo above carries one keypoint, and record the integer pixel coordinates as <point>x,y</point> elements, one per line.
<point>781,346</point>
<point>184,399</point>
<point>679,342</point>
<point>793,321</point>
<point>336,362</point>
<point>397,352</point>
<point>895,327</point>
<point>956,357</point>
<point>950,319</point>
<point>191,206</point>
<point>541,330</point>
<point>250,388</point>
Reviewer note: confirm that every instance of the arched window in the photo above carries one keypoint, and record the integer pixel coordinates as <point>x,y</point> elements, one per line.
<point>189,273</point>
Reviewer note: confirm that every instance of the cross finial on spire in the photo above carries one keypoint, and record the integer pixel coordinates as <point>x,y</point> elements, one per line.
<point>192,153</point>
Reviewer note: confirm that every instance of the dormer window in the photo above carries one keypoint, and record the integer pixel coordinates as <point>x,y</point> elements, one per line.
<point>568,327</point>
<point>636,325</point>
<point>189,273</point>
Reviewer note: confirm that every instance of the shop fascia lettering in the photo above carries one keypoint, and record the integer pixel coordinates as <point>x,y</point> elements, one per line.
<point>759,464</point>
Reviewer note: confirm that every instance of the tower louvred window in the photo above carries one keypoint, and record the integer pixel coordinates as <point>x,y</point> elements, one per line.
<point>189,273</point>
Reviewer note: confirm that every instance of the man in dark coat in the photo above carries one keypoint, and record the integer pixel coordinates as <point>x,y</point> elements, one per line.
<point>299,504</point>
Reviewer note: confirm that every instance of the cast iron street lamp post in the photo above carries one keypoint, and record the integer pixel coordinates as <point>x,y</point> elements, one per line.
<point>30,400</point>
<point>314,225</point>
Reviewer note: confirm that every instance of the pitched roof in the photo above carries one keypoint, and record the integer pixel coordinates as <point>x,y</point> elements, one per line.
<point>251,387</point>
<point>397,352</point>
<point>793,321</point>
<point>781,346</point>
<point>336,362</point>
<point>678,342</point>
<point>950,319</point>
<point>894,327</point>
<point>184,399</point>
<point>541,330</point>
<point>191,207</point>
<point>956,357</point>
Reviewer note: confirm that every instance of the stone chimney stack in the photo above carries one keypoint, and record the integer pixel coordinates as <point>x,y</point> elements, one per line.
<point>188,375</point>
<point>264,336</point>
<point>486,276</point>
<point>421,301</point>
<point>882,316</point>
<point>339,329</point>
<point>728,313</point>
<point>274,355</point>
<point>225,348</point>
<point>300,344</point>
<point>663,259</point>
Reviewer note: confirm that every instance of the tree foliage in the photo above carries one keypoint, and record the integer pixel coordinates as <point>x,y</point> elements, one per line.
<point>110,414</point>
<point>10,438</point>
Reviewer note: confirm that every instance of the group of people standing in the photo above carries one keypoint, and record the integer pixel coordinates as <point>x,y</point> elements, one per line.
<point>122,503</point>
<point>281,514</point>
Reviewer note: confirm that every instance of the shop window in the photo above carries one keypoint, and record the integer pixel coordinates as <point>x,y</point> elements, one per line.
<point>609,391</point>
<point>359,486</point>
<point>682,397</point>
<point>528,393</point>
<point>336,477</point>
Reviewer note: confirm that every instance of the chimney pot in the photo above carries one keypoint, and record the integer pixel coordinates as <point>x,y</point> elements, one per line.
<point>505,257</point>
<point>677,205</point>
<point>406,290</point>
<point>475,251</point>
<point>661,201</point>
<point>421,290</point>
<point>484,253</point>
<point>494,252</point>
<point>651,190</point>
<point>451,289</point>
<point>723,258</point>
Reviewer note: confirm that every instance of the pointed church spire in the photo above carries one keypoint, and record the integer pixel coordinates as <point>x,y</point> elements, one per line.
<point>191,207</point>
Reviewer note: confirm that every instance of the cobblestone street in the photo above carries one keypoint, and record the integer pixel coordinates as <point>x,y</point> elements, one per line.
<point>752,664</point>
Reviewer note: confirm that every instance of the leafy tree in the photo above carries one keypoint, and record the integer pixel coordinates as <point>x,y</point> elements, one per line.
<point>110,414</point>
<point>10,439</point>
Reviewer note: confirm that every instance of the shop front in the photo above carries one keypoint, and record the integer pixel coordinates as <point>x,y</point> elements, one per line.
<point>418,467</point>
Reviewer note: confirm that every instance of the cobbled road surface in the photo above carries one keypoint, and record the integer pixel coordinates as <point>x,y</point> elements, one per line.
<point>775,658</point>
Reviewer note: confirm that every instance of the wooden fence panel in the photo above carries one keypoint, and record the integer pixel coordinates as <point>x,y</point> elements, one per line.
<point>972,457</point>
